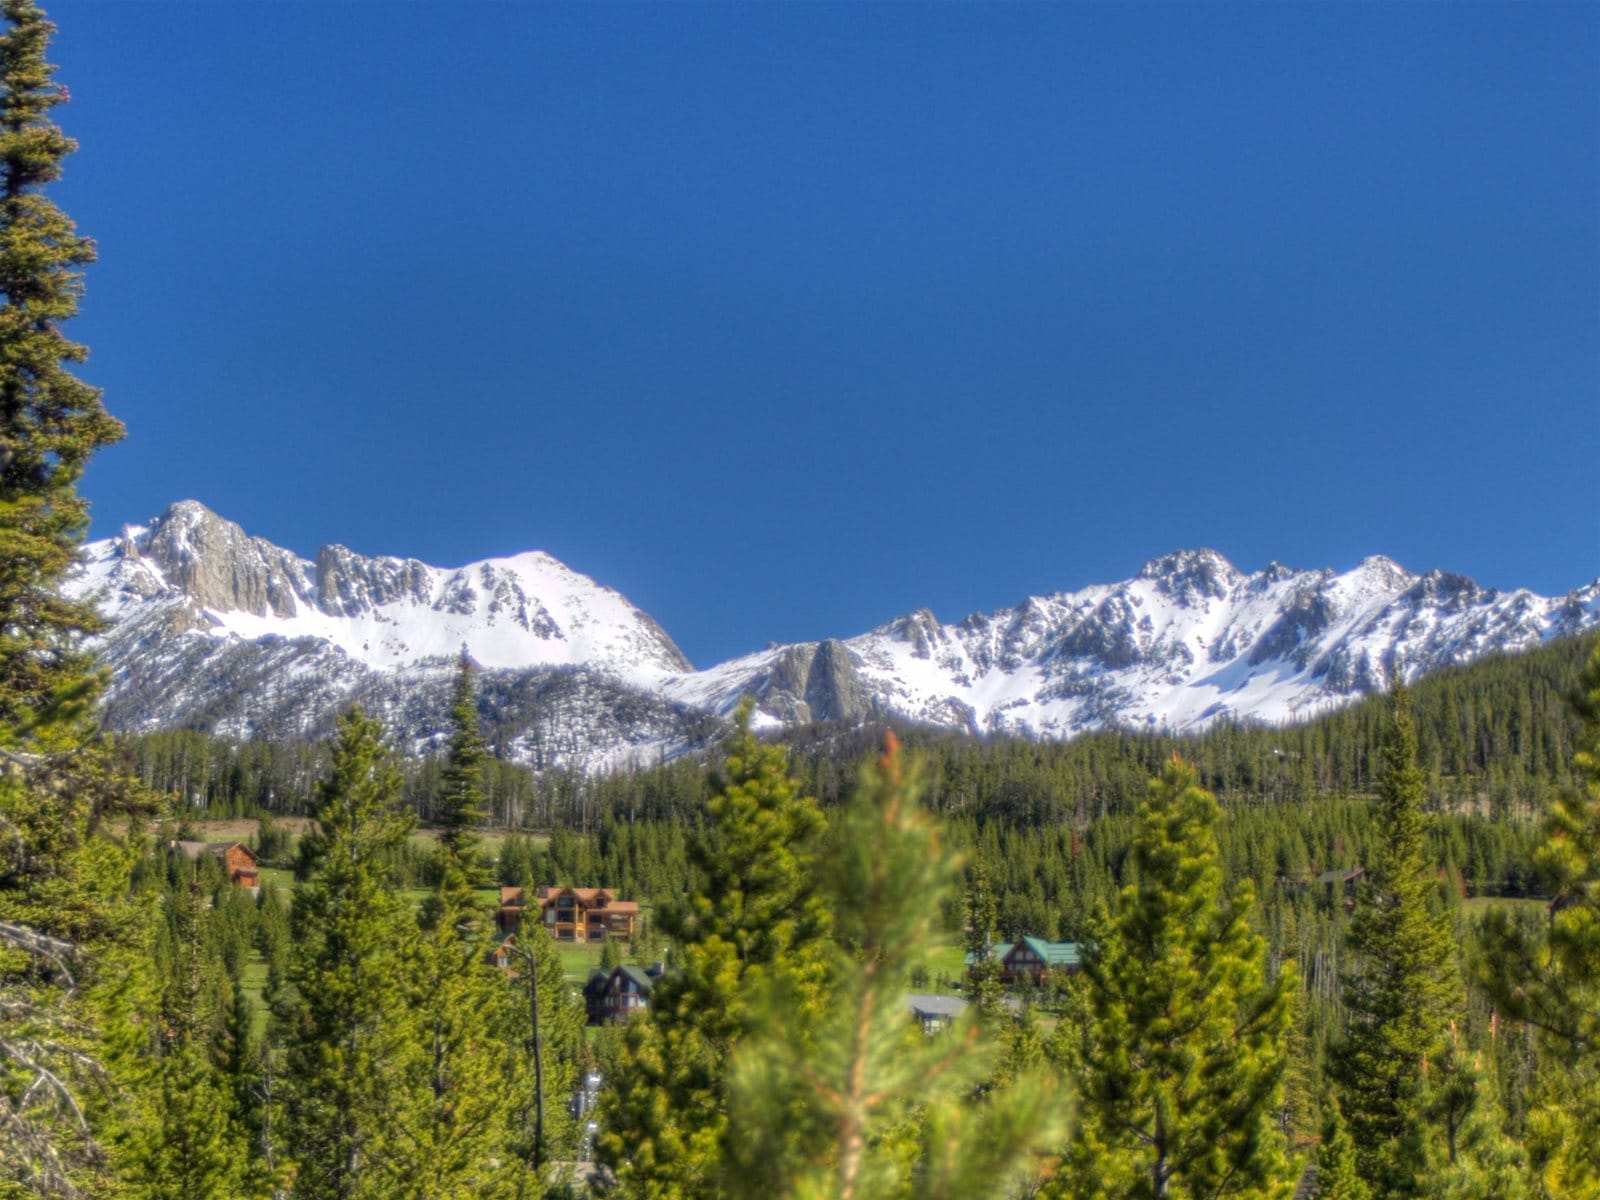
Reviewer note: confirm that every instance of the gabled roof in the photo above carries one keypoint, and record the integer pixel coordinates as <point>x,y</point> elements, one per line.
<point>1055,954</point>
<point>196,849</point>
<point>639,976</point>
<point>510,896</point>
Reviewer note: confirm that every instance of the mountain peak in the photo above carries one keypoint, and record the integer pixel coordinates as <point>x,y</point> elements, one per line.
<point>211,628</point>
<point>1185,573</point>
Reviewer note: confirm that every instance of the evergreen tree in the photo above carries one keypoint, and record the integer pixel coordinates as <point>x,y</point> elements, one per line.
<point>346,1019</point>
<point>548,1024</point>
<point>50,421</point>
<point>982,915</point>
<point>871,1106</point>
<point>755,921</point>
<point>190,1144</point>
<point>449,1112</point>
<point>63,883</point>
<point>1550,979</point>
<point>1180,1060</point>
<point>1470,1158</point>
<point>1403,990</point>
<point>461,803</point>
<point>1338,1175</point>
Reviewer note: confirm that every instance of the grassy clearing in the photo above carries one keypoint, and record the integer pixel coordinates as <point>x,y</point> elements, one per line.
<point>944,958</point>
<point>1478,905</point>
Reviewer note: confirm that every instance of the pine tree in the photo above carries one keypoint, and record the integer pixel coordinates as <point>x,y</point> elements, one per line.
<point>1469,1157</point>
<point>1338,1175</point>
<point>548,1026</point>
<point>982,916</point>
<point>63,882</point>
<point>189,1144</point>
<point>347,1026</point>
<point>1551,979</point>
<point>50,421</point>
<point>1404,989</point>
<point>449,1113</point>
<point>755,921</point>
<point>1180,1061</point>
<point>871,1106</point>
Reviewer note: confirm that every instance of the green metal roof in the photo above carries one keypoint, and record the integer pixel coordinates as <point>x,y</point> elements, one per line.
<point>1054,954</point>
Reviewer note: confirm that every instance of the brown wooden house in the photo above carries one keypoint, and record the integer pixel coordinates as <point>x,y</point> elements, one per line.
<point>238,860</point>
<point>570,914</point>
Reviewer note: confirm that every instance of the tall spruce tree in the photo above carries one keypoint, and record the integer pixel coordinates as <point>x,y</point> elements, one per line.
<point>50,421</point>
<point>1180,1057</point>
<point>1403,990</point>
<point>754,921</point>
<point>450,1115</point>
<point>871,1106</point>
<point>62,881</point>
<point>349,1031</point>
<point>982,916</point>
<point>1550,978</point>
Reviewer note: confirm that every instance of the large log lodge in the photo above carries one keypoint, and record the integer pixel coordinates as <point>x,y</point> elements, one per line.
<point>570,914</point>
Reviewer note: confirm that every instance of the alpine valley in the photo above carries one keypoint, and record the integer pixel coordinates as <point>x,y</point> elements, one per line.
<point>212,629</point>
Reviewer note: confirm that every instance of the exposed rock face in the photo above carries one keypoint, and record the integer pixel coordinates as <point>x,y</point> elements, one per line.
<point>214,629</point>
<point>217,565</point>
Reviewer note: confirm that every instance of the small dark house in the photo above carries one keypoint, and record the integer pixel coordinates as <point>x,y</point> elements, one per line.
<point>612,998</point>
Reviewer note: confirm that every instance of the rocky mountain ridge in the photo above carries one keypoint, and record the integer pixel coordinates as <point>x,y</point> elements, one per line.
<point>209,627</point>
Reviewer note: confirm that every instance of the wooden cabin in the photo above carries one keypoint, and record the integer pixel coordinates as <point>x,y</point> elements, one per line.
<point>238,860</point>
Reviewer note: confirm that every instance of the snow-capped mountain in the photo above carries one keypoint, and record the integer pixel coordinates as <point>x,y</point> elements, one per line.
<point>212,628</point>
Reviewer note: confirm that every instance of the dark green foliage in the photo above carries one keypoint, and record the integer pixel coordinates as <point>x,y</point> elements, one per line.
<point>449,1113</point>
<point>50,421</point>
<point>1549,976</point>
<point>756,923</point>
<point>982,915</point>
<point>1180,1053</point>
<point>1403,989</point>
<point>63,883</point>
<point>345,1020</point>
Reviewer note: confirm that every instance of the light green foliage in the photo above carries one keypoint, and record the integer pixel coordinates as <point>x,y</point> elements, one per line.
<point>449,1117</point>
<point>755,922</point>
<point>184,1141</point>
<point>548,1062</point>
<point>1468,1156</point>
<point>1180,1053</point>
<point>1403,989</point>
<point>870,1106</point>
<point>347,1024</point>
<point>1338,1175</point>
<point>1551,979</point>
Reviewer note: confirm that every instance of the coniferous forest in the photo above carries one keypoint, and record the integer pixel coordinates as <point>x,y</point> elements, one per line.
<point>1354,957</point>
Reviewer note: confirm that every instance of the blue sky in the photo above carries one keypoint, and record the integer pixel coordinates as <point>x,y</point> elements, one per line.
<point>787,319</point>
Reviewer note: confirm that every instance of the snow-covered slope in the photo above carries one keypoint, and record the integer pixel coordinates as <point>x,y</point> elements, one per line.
<point>1189,640</point>
<point>212,628</point>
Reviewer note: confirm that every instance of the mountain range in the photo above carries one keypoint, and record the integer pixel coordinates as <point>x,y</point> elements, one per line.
<point>210,628</point>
